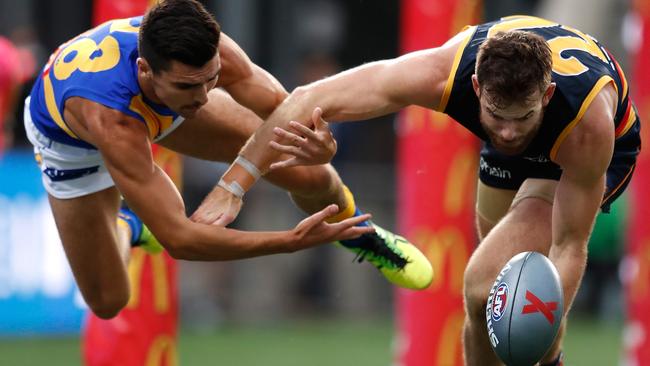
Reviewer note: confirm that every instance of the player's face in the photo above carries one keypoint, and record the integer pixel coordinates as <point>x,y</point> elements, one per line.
<point>511,129</point>
<point>183,88</point>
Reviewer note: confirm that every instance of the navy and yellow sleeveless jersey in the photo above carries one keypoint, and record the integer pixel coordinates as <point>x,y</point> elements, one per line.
<point>98,65</point>
<point>581,68</point>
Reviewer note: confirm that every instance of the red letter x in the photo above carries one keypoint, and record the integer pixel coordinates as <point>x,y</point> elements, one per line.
<point>538,305</point>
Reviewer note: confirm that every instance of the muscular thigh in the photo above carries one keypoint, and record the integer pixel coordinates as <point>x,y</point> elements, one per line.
<point>501,177</point>
<point>492,204</point>
<point>87,227</point>
<point>526,226</point>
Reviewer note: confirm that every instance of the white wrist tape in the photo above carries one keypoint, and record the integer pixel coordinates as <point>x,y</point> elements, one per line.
<point>249,167</point>
<point>232,187</point>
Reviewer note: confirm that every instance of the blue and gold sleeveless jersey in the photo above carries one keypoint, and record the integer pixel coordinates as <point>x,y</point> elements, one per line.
<point>581,68</point>
<point>98,65</point>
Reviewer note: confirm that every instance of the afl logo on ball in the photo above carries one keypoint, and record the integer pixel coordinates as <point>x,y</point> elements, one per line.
<point>499,302</point>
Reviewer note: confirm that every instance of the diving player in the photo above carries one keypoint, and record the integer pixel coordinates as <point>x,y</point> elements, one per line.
<point>553,109</point>
<point>105,95</point>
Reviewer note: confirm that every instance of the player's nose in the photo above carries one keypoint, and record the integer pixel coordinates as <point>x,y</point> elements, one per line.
<point>202,96</point>
<point>508,133</point>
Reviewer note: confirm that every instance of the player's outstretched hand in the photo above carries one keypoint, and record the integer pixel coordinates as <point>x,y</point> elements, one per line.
<point>305,145</point>
<point>219,208</point>
<point>314,230</point>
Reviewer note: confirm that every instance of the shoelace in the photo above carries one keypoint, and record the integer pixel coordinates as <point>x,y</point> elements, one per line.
<point>380,251</point>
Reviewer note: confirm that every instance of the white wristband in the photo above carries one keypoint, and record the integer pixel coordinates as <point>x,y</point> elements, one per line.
<point>249,167</point>
<point>232,187</point>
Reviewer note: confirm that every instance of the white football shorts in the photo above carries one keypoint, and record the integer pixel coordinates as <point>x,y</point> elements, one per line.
<point>70,171</point>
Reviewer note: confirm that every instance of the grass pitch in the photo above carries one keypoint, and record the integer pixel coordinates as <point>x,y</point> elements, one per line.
<point>299,344</point>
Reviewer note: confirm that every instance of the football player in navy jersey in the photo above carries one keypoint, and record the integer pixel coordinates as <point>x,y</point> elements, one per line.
<point>560,132</point>
<point>171,77</point>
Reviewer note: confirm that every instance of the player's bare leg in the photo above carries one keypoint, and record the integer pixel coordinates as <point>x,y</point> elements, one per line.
<point>96,248</point>
<point>528,218</point>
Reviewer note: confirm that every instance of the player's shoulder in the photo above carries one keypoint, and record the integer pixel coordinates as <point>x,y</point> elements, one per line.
<point>99,65</point>
<point>235,64</point>
<point>95,121</point>
<point>454,64</point>
<point>108,48</point>
<point>590,142</point>
<point>88,111</point>
<point>597,122</point>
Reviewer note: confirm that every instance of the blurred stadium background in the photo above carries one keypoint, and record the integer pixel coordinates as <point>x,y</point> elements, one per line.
<point>315,307</point>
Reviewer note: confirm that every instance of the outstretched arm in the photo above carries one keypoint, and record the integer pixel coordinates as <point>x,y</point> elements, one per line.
<point>367,91</point>
<point>584,157</point>
<point>124,145</point>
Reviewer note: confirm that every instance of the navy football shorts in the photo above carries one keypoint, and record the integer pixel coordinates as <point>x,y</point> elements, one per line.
<point>509,172</point>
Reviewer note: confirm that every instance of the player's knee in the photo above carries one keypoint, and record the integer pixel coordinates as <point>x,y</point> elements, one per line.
<point>316,181</point>
<point>475,293</point>
<point>323,177</point>
<point>107,305</point>
<point>483,226</point>
<point>533,206</point>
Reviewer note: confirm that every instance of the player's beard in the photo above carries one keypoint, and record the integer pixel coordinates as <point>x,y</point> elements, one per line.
<point>516,147</point>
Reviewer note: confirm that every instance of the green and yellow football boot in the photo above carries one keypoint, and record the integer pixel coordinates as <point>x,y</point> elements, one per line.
<point>396,258</point>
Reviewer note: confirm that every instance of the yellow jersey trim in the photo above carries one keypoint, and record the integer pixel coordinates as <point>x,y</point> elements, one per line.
<point>604,80</point>
<point>621,75</point>
<point>52,108</point>
<point>618,187</point>
<point>156,123</point>
<point>452,74</point>
<point>628,123</point>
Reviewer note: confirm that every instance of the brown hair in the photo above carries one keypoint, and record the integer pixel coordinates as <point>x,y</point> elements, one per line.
<point>180,30</point>
<point>514,64</point>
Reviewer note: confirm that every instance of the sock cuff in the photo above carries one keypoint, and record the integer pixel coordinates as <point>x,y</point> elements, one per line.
<point>128,217</point>
<point>350,207</point>
<point>559,361</point>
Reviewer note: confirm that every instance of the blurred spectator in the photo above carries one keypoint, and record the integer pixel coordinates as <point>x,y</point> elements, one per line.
<point>58,21</point>
<point>32,56</point>
<point>496,9</point>
<point>12,75</point>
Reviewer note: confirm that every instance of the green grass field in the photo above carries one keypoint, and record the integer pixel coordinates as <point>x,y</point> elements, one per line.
<point>302,344</point>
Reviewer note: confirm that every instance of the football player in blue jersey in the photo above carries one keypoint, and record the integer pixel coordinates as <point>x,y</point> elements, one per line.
<point>171,77</point>
<point>552,107</point>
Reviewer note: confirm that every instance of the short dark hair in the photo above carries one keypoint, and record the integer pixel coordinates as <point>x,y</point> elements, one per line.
<point>180,30</point>
<point>514,64</point>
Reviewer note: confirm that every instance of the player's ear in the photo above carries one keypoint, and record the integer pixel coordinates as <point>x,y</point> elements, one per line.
<point>477,88</point>
<point>144,69</point>
<point>548,94</point>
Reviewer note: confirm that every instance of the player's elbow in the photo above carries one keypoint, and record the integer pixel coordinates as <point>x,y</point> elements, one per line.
<point>177,244</point>
<point>178,254</point>
<point>175,249</point>
<point>179,249</point>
